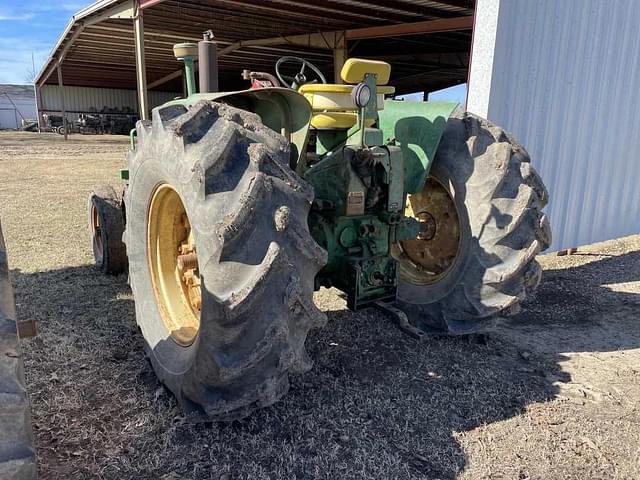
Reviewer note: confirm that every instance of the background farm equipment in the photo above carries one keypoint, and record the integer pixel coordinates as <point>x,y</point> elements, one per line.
<point>117,121</point>
<point>54,123</point>
<point>90,123</point>
<point>240,204</point>
<point>112,121</point>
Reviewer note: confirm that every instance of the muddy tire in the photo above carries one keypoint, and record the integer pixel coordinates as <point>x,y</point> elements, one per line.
<point>106,227</point>
<point>256,261</point>
<point>17,452</point>
<point>499,198</point>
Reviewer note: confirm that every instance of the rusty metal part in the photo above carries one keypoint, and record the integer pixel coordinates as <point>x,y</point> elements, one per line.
<point>427,226</point>
<point>27,328</point>
<point>401,320</point>
<point>188,261</point>
<point>429,257</point>
<point>188,267</point>
<point>173,263</point>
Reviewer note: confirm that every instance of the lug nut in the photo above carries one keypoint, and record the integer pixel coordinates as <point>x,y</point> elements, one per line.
<point>188,261</point>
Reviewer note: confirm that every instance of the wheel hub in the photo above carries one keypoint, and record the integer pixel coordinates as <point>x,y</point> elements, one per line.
<point>98,247</point>
<point>189,274</point>
<point>173,263</point>
<point>431,255</point>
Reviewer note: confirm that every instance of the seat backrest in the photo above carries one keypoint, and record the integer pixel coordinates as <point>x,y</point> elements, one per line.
<point>332,105</point>
<point>354,70</point>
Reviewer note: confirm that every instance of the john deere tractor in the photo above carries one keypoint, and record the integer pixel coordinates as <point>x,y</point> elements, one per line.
<point>239,205</point>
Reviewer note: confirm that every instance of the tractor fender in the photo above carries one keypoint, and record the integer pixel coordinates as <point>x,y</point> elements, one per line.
<point>417,128</point>
<point>281,109</point>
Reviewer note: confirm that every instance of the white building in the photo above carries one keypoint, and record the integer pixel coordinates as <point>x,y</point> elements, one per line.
<point>563,77</point>
<point>17,102</point>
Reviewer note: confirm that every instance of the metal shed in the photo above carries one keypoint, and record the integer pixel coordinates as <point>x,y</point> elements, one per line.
<point>77,100</point>
<point>126,44</point>
<point>17,102</point>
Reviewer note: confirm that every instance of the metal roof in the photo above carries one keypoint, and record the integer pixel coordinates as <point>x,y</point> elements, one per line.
<point>18,91</point>
<point>98,50</point>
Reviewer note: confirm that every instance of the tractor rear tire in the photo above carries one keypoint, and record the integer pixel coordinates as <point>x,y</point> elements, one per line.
<point>224,183</point>
<point>498,197</point>
<point>17,452</point>
<point>106,227</point>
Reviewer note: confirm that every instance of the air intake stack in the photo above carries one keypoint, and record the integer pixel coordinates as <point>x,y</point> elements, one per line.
<point>208,59</point>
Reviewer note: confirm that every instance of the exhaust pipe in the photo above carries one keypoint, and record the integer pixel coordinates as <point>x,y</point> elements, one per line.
<point>208,63</point>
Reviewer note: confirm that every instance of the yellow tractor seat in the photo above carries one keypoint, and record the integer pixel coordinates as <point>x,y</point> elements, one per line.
<point>331,103</point>
<point>354,70</point>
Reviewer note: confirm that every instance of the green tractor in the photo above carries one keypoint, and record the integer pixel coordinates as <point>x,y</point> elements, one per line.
<point>239,205</point>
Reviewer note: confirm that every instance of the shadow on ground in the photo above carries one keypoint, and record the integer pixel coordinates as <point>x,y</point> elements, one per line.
<point>588,307</point>
<point>376,405</point>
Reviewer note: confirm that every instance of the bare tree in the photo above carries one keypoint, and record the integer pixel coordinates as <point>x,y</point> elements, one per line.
<point>30,74</point>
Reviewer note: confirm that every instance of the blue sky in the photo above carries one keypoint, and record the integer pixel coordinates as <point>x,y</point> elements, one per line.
<point>30,26</point>
<point>457,93</point>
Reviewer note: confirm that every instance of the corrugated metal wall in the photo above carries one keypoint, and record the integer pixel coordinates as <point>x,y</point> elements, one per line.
<point>86,99</point>
<point>564,77</point>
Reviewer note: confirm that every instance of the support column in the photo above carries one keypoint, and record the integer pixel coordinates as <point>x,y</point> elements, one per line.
<point>141,73</point>
<point>64,113</point>
<point>38,93</point>
<point>339,57</point>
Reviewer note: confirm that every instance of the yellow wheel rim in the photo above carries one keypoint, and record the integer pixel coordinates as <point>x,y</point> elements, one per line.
<point>96,230</point>
<point>174,265</point>
<point>429,257</point>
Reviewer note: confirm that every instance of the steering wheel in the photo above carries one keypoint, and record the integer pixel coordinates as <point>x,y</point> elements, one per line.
<point>299,78</point>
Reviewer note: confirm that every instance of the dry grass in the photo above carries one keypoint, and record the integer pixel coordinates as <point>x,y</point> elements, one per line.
<point>555,395</point>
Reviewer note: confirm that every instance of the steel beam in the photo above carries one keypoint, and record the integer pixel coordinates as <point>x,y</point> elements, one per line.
<point>165,79</point>
<point>328,40</point>
<point>429,26</point>
<point>149,3</point>
<point>331,40</point>
<point>141,74</point>
<point>61,86</point>
<point>123,11</point>
<point>176,36</point>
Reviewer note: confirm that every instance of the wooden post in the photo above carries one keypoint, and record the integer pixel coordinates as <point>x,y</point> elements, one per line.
<point>141,74</point>
<point>339,57</point>
<point>64,113</point>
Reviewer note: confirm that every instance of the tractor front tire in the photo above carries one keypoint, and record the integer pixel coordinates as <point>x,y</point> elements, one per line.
<point>106,226</point>
<point>17,452</point>
<point>484,225</point>
<point>224,332</point>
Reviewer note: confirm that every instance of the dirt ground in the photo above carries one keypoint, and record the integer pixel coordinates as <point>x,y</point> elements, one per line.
<point>553,395</point>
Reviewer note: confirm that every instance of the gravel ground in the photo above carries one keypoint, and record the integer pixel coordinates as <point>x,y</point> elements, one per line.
<point>552,395</point>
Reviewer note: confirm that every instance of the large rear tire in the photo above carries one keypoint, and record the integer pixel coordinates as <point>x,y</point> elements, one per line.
<point>106,226</point>
<point>223,332</point>
<point>482,207</point>
<point>17,452</point>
